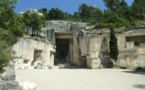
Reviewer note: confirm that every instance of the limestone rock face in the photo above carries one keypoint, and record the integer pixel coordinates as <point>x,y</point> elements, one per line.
<point>131,49</point>
<point>94,50</point>
<point>33,54</point>
<point>87,46</point>
<point>63,26</point>
<point>131,45</point>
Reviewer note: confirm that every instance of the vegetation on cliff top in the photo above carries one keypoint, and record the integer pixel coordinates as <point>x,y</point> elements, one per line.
<point>117,14</point>
<point>11,26</point>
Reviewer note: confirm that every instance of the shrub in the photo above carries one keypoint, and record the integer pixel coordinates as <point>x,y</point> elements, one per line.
<point>6,40</point>
<point>4,59</point>
<point>113,46</point>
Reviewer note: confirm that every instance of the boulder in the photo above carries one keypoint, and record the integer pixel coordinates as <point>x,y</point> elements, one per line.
<point>27,86</point>
<point>9,73</point>
<point>14,85</point>
<point>9,85</point>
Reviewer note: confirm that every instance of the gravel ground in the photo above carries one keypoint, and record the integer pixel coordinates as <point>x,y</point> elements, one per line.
<point>83,79</point>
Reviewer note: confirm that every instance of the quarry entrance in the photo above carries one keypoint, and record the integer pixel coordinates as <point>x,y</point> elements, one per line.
<point>62,51</point>
<point>63,43</point>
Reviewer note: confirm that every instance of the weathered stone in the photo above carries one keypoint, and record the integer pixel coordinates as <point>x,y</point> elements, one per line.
<point>82,41</point>
<point>9,73</point>
<point>27,86</point>
<point>93,63</point>
<point>9,85</point>
<point>65,26</point>
<point>14,85</point>
<point>30,53</point>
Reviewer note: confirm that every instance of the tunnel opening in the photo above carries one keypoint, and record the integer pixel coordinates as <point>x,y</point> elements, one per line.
<point>62,51</point>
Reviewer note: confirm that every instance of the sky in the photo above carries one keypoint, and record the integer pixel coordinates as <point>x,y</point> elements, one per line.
<point>69,6</point>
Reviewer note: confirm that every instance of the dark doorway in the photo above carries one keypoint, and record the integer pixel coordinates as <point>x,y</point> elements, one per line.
<point>62,51</point>
<point>37,54</point>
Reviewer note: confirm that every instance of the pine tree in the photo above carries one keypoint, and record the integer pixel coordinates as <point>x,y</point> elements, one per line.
<point>113,46</point>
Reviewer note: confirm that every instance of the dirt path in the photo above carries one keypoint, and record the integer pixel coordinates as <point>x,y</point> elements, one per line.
<point>83,79</point>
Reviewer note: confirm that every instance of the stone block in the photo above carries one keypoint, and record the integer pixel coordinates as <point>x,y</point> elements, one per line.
<point>9,73</point>
<point>93,63</point>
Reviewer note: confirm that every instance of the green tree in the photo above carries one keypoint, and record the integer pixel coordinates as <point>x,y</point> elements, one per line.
<point>4,59</point>
<point>45,12</point>
<point>113,46</point>
<point>33,19</point>
<point>7,4</point>
<point>89,13</point>
<point>68,16</point>
<point>85,12</point>
<point>117,14</point>
<point>37,21</point>
<point>96,16</point>
<point>76,16</point>
<point>123,9</point>
<point>12,22</point>
<point>112,4</point>
<point>138,9</point>
<point>6,40</point>
<point>10,28</point>
<point>56,14</point>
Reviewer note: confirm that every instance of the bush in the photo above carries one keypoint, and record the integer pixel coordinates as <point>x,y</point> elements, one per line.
<point>6,40</point>
<point>7,37</point>
<point>4,59</point>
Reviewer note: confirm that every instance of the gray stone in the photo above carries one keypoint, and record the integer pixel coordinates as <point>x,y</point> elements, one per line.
<point>9,73</point>
<point>27,86</point>
<point>14,85</point>
<point>9,85</point>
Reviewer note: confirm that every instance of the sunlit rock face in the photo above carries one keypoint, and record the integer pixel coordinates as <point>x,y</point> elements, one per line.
<point>132,49</point>
<point>33,54</point>
<point>78,44</point>
<point>64,26</point>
